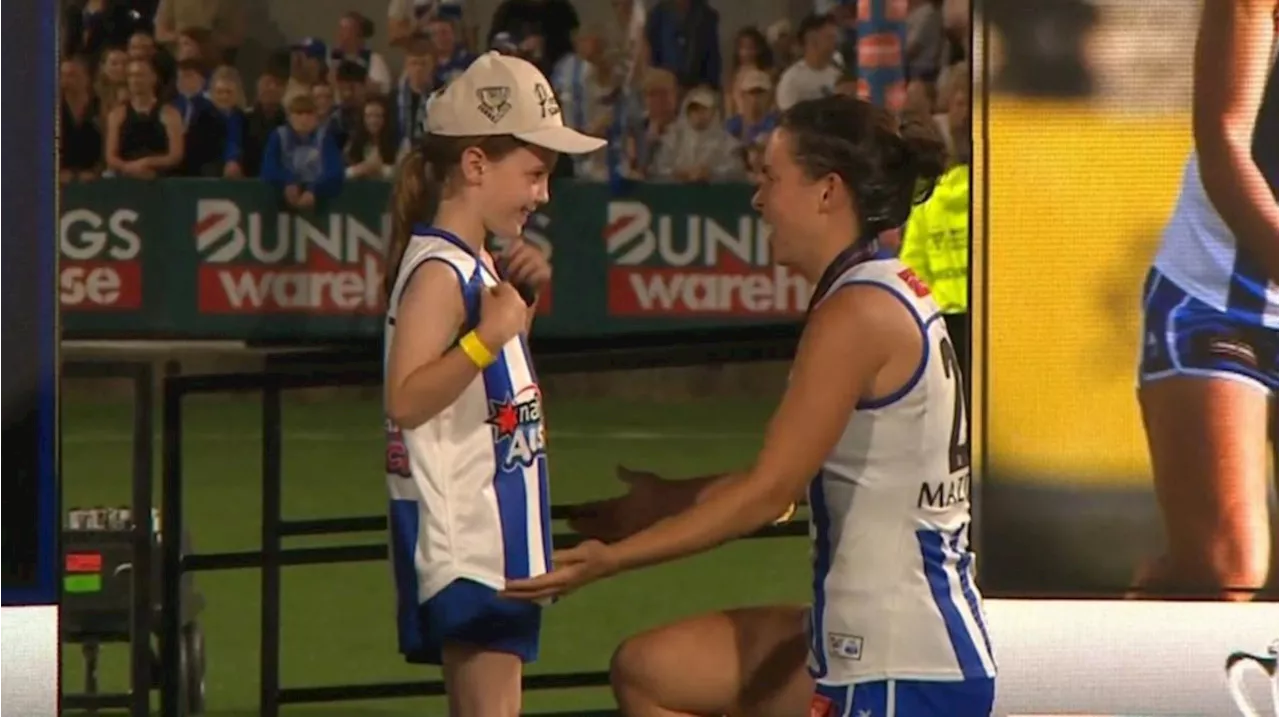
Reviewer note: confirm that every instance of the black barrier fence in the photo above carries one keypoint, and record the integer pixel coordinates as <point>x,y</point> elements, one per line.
<point>362,368</point>
<point>138,699</point>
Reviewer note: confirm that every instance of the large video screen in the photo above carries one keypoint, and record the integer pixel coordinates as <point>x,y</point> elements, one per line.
<point>1096,482</point>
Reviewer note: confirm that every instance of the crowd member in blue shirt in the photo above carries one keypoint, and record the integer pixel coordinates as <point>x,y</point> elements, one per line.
<point>302,160</point>
<point>753,98</point>
<point>452,56</point>
<point>684,38</point>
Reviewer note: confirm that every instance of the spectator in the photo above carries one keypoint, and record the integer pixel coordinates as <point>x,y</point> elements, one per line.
<point>926,42</point>
<point>406,18</point>
<point>815,74</point>
<point>302,161</point>
<point>552,20</point>
<point>190,97</point>
<point>354,31</point>
<point>782,45</point>
<point>699,149</point>
<point>110,87</point>
<point>142,46</point>
<point>196,43</point>
<point>750,51</point>
<point>935,240</point>
<point>91,26</point>
<point>351,89</point>
<point>80,138</point>
<point>452,57</point>
<point>226,92</point>
<point>204,130</point>
<point>144,135</point>
<point>222,20</point>
<point>582,84</point>
<point>756,116</point>
<point>661,105</point>
<point>306,68</point>
<point>371,152</point>
<point>416,84</point>
<point>625,51</point>
<point>684,38</point>
<point>326,106</point>
<point>262,119</point>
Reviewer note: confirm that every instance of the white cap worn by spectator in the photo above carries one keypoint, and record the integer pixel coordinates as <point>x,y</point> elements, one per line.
<point>751,78</point>
<point>498,95</point>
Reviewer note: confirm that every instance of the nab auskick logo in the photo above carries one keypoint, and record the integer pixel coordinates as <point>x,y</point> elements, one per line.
<point>518,434</point>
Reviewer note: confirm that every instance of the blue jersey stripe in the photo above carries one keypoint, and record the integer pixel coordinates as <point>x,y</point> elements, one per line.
<point>508,481</point>
<point>544,477</point>
<point>971,595</point>
<point>821,519</point>
<point>935,571</point>
<point>403,519</point>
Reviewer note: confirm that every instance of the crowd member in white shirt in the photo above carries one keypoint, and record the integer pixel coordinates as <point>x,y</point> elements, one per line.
<point>816,73</point>
<point>354,31</point>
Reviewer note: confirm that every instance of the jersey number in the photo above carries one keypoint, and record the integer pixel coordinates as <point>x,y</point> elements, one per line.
<point>959,453</point>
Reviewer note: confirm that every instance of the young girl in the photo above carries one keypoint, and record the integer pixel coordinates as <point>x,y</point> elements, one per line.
<point>466,466</point>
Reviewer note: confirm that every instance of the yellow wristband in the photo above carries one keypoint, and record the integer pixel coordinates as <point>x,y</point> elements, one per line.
<point>785,517</point>
<point>475,350</point>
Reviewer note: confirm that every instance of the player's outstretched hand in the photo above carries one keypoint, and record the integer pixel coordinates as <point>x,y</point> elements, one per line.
<point>503,315</point>
<point>613,519</point>
<point>584,563</point>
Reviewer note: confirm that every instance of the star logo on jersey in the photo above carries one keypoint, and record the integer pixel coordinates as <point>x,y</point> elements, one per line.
<point>519,437</point>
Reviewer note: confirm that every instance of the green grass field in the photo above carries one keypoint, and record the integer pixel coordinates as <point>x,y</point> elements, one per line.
<point>338,621</point>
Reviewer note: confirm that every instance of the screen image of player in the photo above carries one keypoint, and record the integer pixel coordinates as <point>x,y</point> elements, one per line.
<point>1085,145</point>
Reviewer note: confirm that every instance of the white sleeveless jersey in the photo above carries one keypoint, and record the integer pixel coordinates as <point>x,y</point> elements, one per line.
<point>469,492</point>
<point>1200,254</point>
<point>894,595</point>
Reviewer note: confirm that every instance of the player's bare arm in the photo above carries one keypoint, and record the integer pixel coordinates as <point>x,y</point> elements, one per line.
<point>423,377</point>
<point>849,340</point>
<point>1232,61</point>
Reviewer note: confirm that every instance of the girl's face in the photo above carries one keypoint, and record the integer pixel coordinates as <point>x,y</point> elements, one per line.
<point>374,118</point>
<point>140,78</point>
<point>511,188</point>
<point>113,67</point>
<point>748,52</point>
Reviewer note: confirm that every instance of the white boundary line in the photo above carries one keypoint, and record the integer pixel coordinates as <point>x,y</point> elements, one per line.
<point>103,437</point>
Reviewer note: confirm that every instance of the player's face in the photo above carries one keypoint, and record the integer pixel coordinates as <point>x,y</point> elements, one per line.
<point>787,199</point>
<point>513,187</point>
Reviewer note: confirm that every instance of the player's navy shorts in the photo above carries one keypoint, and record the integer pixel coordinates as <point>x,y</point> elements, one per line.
<point>469,613</point>
<point>906,698</point>
<point>1183,336</point>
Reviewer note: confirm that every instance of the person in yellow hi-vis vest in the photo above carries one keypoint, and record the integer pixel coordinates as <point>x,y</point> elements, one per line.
<point>935,240</point>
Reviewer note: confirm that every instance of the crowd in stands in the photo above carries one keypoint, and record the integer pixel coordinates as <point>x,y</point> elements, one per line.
<point>150,88</point>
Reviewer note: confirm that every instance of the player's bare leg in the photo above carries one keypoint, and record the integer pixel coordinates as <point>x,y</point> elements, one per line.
<point>741,663</point>
<point>481,683</point>
<point>1208,444</point>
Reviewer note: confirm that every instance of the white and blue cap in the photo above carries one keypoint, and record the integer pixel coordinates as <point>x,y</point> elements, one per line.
<point>500,94</point>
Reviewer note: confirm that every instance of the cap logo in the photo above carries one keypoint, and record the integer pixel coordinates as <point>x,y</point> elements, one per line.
<point>547,101</point>
<point>495,102</point>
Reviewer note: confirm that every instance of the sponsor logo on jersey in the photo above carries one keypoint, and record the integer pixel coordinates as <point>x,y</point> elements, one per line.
<point>320,265</point>
<point>845,647</point>
<point>519,436</point>
<point>101,267</point>
<point>397,452</point>
<point>913,282</point>
<point>694,265</point>
<point>941,495</point>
